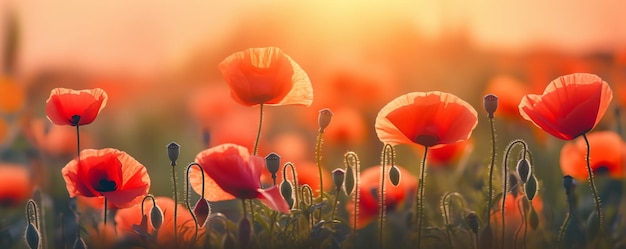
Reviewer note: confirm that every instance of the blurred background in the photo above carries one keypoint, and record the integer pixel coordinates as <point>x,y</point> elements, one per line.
<point>157,60</point>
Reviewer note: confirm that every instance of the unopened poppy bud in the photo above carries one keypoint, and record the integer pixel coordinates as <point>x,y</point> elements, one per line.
<point>32,236</point>
<point>394,175</point>
<point>533,219</point>
<point>531,187</point>
<point>156,217</point>
<point>245,230</point>
<point>202,210</point>
<point>286,189</point>
<point>490,103</point>
<point>79,243</point>
<point>569,184</point>
<point>173,150</point>
<point>349,181</point>
<point>338,177</point>
<point>473,222</point>
<point>324,117</point>
<point>523,170</point>
<point>228,241</point>
<point>272,162</point>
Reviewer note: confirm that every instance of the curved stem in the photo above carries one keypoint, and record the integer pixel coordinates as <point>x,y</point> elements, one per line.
<point>187,203</point>
<point>352,161</point>
<point>420,199</point>
<point>386,158</point>
<point>505,177</point>
<point>294,175</point>
<point>258,133</point>
<point>521,210</point>
<point>446,202</point>
<point>491,166</point>
<point>594,190</point>
<point>562,230</point>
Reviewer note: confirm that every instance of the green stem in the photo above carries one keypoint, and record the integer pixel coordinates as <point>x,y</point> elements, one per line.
<point>332,213</point>
<point>386,158</point>
<point>258,132</point>
<point>105,211</point>
<point>491,166</point>
<point>563,227</point>
<point>318,157</point>
<point>420,199</point>
<point>505,177</point>
<point>594,190</point>
<point>175,203</point>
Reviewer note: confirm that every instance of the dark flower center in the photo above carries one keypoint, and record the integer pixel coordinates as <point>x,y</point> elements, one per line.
<point>602,170</point>
<point>75,119</point>
<point>106,185</point>
<point>427,140</point>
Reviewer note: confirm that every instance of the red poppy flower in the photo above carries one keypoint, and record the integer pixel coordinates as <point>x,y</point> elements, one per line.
<point>107,172</point>
<point>607,155</point>
<point>449,153</point>
<point>368,195</point>
<point>266,76</point>
<point>15,185</point>
<point>431,119</point>
<point>231,172</point>
<point>570,106</point>
<point>75,107</point>
<point>126,218</point>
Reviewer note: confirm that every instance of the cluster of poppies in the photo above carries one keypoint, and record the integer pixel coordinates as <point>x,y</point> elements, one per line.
<point>570,107</point>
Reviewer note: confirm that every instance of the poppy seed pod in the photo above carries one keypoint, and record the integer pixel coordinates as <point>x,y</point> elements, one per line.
<point>490,103</point>
<point>324,117</point>
<point>173,150</point>
<point>338,178</point>
<point>473,222</point>
<point>156,217</point>
<point>32,236</point>
<point>349,181</point>
<point>394,175</point>
<point>272,162</point>
<point>523,170</point>
<point>531,187</point>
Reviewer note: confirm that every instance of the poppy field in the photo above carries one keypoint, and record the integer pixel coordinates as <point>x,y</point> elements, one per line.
<point>282,150</point>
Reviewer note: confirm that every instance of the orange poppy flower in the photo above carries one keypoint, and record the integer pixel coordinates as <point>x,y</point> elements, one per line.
<point>607,155</point>
<point>570,106</point>
<point>231,172</point>
<point>266,76</point>
<point>12,95</point>
<point>368,200</point>
<point>126,218</point>
<point>107,172</point>
<point>431,119</point>
<point>15,185</point>
<point>75,107</point>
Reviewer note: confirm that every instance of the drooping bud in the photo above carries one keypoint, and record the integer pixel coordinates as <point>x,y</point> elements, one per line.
<point>490,103</point>
<point>32,236</point>
<point>569,184</point>
<point>245,230</point>
<point>523,170</point>
<point>394,175</point>
<point>473,222</point>
<point>531,187</point>
<point>173,150</point>
<point>349,181</point>
<point>272,162</point>
<point>156,217</point>
<point>324,117</point>
<point>202,210</point>
<point>338,177</point>
<point>286,189</point>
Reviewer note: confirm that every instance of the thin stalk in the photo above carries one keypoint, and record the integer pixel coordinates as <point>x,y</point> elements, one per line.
<point>77,142</point>
<point>505,177</point>
<point>446,203</point>
<point>175,203</point>
<point>333,211</point>
<point>491,166</point>
<point>105,211</point>
<point>258,132</point>
<point>521,210</point>
<point>318,157</point>
<point>420,199</point>
<point>187,192</point>
<point>594,190</point>
<point>386,158</point>
<point>562,230</point>
<point>351,160</point>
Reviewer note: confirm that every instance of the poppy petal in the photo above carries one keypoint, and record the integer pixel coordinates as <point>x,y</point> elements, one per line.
<point>63,104</point>
<point>273,199</point>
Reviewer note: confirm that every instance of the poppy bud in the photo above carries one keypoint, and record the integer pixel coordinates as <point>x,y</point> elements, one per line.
<point>349,182</point>
<point>523,170</point>
<point>245,229</point>
<point>272,162</point>
<point>32,236</point>
<point>338,177</point>
<point>394,175</point>
<point>79,244</point>
<point>490,103</point>
<point>156,217</point>
<point>569,184</point>
<point>286,189</point>
<point>202,210</point>
<point>531,187</point>
<point>533,219</point>
<point>473,222</point>
<point>324,117</point>
<point>173,150</point>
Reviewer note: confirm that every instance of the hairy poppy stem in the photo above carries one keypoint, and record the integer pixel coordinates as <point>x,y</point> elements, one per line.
<point>386,158</point>
<point>594,190</point>
<point>351,160</point>
<point>491,166</point>
<point>420,199</point>
<point>193,215</point>
<point>175,203</point>
<point>258,132</point>
<point>318,157</point>
<point>505,177</point>
<point>446,202</point>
